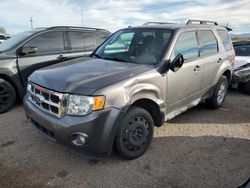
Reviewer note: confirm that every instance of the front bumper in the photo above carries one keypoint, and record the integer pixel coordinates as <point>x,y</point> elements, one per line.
<point>100,126</point>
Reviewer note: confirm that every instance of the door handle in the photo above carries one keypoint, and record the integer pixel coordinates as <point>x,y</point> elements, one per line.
<point>61,57</point>
<point>197,68</point>
<point>219,60</point>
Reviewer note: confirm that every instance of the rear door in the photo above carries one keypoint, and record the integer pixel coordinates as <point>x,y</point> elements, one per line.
<point>209,52</point>
<point>184,85</point>
<point>82,43</point>
<point>50,50</point>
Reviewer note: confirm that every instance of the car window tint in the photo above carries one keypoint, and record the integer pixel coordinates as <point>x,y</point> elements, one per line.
<point>122,44</point>
<point>225,39</point>
<point>48,42</point>
<point>100,37</point>
<point>242,50</point>
<point>208,43</point>
<point>89,41</point>
<point>77,40</point>
<point>186,45</point>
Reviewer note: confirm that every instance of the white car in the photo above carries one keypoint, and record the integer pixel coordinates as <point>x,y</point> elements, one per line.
<point>241,76</point>
<point>2,38</point>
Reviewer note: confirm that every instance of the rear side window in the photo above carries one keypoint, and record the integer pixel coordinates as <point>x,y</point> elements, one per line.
<point>100,37</point>
<point>208,43</point>
<point>82,41</point>
<point>77,40</point>
<point>186,45</point>
<point>225,39</point>
<point>89,41</point>
<point>48,42</point>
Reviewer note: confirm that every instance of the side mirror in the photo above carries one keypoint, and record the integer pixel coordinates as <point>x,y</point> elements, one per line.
<point>27,50</point>
<point>177,63</point>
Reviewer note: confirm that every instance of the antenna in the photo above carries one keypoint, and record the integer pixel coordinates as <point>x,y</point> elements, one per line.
<point>31,23</point>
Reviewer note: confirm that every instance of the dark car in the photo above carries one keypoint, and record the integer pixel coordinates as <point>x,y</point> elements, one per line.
<point>241,75</point>
<point>26,52</point>
<point>138,78</point>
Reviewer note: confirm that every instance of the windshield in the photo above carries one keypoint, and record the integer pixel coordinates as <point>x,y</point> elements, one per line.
<point>15,40</point>
<point>242,50</point>
<point>139,45</point>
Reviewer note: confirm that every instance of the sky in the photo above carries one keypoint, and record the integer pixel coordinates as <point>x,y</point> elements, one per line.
<point>116,14</point>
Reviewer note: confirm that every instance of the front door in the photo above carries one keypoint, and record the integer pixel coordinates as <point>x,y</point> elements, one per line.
<point>184,85</point>
<point>50,50</point>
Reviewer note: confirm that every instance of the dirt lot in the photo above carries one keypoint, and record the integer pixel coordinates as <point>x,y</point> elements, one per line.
<point>200,148</point>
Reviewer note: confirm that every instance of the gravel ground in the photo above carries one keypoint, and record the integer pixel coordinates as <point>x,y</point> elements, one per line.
<point>200,148</point>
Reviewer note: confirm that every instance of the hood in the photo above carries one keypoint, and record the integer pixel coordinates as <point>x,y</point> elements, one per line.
<point>84,76</point>
<point>241,61</point>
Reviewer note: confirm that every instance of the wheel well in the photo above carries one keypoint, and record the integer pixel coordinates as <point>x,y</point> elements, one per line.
<point>8,79</point>
<point>152,108</point>
<point>227,73</point>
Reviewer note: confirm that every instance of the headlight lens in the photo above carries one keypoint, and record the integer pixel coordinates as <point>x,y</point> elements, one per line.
<point>82,105</point>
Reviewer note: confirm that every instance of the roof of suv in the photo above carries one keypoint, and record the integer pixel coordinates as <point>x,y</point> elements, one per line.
<point>70,28</point>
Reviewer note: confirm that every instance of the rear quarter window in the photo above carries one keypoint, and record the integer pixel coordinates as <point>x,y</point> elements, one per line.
<point>225,39</point>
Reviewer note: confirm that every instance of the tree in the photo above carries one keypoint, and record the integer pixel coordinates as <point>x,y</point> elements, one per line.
<point>2,30</point>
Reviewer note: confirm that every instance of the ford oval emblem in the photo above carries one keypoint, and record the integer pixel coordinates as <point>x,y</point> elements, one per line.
<point>39,99</point>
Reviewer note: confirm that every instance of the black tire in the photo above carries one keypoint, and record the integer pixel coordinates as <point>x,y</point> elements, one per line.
<point>135,133</point>
<point>244,87</point>
<point>7,96</point>
<point>219,95</point>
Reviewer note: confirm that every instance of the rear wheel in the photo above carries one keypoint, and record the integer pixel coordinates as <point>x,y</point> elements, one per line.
<point>135,134</point>
<point>7,96</point>
<point>219,95</point>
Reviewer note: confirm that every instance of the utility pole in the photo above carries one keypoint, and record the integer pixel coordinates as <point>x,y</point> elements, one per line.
<point>31,23</point>
<point>82,15</point>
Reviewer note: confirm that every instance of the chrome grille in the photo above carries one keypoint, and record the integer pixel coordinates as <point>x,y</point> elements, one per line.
<point>49,101</point>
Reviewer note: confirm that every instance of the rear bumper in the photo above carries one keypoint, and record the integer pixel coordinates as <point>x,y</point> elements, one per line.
<point>100,126</point>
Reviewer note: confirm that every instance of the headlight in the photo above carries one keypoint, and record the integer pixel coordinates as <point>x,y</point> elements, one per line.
<point>82,105</point>
<point>29,87</point>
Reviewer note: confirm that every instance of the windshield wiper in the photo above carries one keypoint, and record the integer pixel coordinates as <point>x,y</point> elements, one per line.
<point>116,59</point>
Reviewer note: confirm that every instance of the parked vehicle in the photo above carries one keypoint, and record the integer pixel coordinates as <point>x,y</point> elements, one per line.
<point>117,96</point>
<point>26,52</point>
<point>241,75</point>
<point>2,38</point>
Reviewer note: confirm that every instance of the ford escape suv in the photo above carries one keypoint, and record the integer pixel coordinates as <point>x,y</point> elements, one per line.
<point>24,53</point>
<point>138,78</point>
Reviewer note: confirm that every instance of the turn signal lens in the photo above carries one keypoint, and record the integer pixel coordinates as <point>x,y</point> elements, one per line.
<point>99,103</point>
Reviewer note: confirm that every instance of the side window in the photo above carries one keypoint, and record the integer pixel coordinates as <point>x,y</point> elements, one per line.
<point>208,43</point>
<point>186,45</point>
<point>89,41</point>
<point>50,42</point>
<point>77,40</point>
<point>225,39</point>
<point>100,37</point>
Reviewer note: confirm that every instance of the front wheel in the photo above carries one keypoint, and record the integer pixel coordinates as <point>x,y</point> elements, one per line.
<point>219,95</point>
<point>7,96</point>
<point>135,134</point>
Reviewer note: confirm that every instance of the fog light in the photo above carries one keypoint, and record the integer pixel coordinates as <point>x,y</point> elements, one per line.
<point>79,139</point>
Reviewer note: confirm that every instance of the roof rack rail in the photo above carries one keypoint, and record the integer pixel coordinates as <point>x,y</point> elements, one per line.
<point>76,27</point>
<point>159,23</point>
<point>201,22</point>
